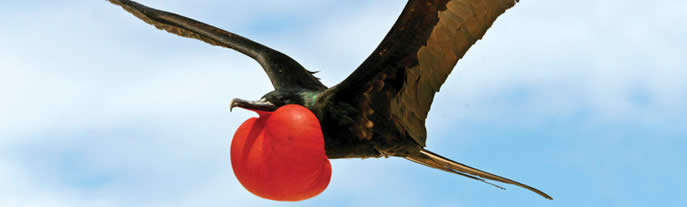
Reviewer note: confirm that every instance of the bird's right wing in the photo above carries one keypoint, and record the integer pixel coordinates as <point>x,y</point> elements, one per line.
<point>416,56</point>
<point>283,71</point>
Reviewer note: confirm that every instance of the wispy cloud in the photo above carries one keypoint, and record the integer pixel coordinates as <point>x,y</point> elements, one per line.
<point>99,109</point>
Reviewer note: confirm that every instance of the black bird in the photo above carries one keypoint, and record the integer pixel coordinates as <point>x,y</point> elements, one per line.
<point>380,109</point>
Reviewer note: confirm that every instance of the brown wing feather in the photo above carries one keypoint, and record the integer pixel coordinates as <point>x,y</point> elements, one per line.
<point>418,54</point>
<point>459,27</point>
<point>283,71</point>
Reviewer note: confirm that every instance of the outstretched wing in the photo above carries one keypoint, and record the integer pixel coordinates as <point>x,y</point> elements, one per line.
<point>283,71</point>
<point>417,55</point>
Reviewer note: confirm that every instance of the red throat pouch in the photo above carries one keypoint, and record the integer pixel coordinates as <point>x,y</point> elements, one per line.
<point>280,155</point>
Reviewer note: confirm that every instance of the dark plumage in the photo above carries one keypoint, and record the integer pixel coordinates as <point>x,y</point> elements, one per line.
<point>380,109</point>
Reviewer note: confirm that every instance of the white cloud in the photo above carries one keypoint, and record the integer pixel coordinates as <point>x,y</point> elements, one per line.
<point>584,55</point>
<point>152,107</point>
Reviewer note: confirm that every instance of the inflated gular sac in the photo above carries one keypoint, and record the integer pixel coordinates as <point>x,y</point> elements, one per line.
<point>280,155</point>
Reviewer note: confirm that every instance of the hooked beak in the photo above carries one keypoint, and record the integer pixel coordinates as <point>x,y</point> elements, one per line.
<point>261,105</point>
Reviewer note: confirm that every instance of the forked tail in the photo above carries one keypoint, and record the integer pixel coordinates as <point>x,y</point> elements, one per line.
<point>430,159</point>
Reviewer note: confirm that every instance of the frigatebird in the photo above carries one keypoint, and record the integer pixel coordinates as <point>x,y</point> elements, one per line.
<point>380,109</point>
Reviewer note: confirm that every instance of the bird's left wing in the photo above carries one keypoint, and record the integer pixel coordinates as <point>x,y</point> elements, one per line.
<point>283,71</point>
<point>416,56</point>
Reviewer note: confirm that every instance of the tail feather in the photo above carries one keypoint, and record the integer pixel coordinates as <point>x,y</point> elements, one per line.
<point>433,160</point>
<point>433,164</point>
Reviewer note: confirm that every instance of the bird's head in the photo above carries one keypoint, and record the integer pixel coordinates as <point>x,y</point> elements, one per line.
<point>275,99</point>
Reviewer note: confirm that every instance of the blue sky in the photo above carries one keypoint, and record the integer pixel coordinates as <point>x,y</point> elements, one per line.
<point>582,99</point>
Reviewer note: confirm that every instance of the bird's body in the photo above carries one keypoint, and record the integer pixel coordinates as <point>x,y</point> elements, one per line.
<point>355,132</point>
<point>380,109</point>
